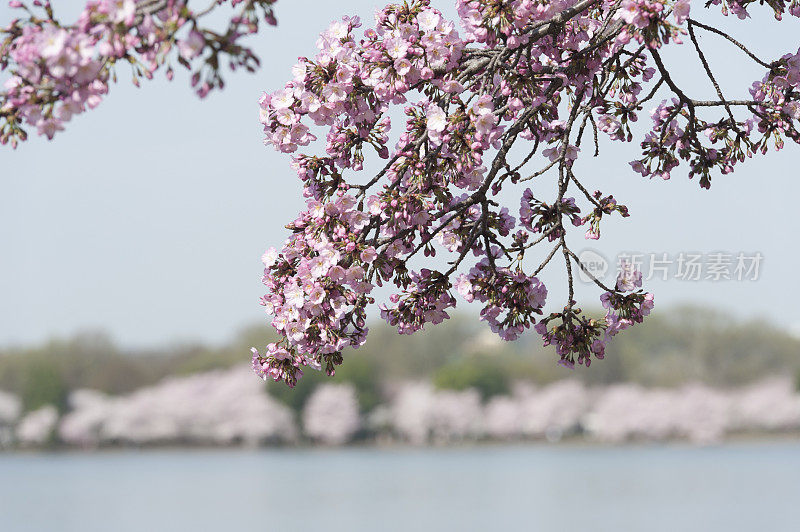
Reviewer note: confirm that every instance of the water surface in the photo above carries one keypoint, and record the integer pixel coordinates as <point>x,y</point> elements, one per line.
<point>731,488</point>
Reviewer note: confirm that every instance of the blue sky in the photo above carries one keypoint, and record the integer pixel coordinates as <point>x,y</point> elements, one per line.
<point>148,216</point>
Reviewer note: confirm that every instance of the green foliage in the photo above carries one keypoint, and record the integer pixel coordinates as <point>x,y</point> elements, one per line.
<point>42,384</point>
<point>357,370</point>
<point>690,344</point>
<point>296,397</point>
<point>45,375</point>
<point>364,374</point>
<point>484,373</point>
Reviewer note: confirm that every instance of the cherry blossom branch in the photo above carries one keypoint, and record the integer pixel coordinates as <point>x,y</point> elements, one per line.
<point>710,75</point>
<point>58,70</point>
<point>736,43</point>
<point>540,73</point>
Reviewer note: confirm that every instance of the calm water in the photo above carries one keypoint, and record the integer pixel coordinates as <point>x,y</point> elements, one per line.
<point>742,487</point>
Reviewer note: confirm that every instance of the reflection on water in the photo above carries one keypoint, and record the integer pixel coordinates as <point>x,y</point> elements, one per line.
<point>739,487</point>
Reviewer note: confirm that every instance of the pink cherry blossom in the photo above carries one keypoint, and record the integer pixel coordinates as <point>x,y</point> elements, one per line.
<point>58,69</point>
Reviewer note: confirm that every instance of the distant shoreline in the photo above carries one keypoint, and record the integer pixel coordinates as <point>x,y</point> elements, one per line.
<point>573,441</point>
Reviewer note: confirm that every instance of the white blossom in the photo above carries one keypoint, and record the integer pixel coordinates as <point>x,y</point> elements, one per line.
<point>37,427</point>
<point>331,414</point>
<point>218,407</point>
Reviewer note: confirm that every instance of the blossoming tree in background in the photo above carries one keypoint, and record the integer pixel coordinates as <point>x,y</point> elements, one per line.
<point>58,70</point>
<point>522,78</point>
<point>330,415</point>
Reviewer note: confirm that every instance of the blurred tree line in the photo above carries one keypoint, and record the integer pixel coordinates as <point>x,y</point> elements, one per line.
<point>671,348</point>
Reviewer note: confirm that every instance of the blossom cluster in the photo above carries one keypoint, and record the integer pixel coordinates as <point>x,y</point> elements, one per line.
<point>545,73</point>
<point>739,7</point>
<point>59,70</point>
<point>318,282</point>
<point>770,117</point>
<point>319,290</point>
<point>643,13</point>
<point>539,217</point>
<point>513,294</point>
<point>578,337</point>
<point>425,300</point>
<point>348,85</point>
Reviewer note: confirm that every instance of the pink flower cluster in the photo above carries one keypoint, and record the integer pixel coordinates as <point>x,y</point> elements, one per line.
<point>739,7</point>
<point>491,21</point>
<point>539,217</point>
<point>677,128</point>
<point>348,85</point>
<point>548,73</point>
<point>512,298</point>
<point>66,62</point>
<point>318,290</point>
<point>641,13</point>
<point>319,283</point>
<point>625,310</point>
<point>59,70</point>
<point>578,335</point>
<point>778,108</point>
<point>774,114</point>
<point>425,300</point>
